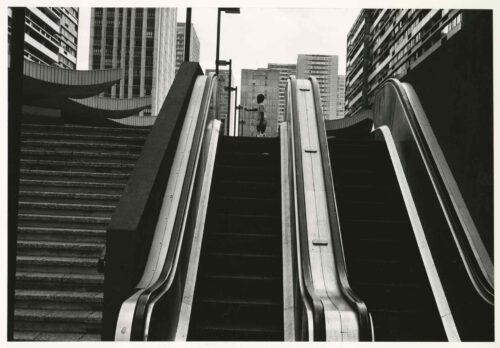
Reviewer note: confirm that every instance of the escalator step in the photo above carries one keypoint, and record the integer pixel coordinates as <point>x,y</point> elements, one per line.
<point>250,189</point>
<point>245,205</point>
<point>246,224</point>
<point>246,173</point>
<point>241,243</point>
<point>232,333</point>
<point>241,264</point>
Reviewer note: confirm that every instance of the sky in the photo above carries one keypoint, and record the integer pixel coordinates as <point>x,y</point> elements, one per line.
<point>257,36</point>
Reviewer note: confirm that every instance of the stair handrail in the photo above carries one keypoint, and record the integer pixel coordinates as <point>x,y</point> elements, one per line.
<point>364,319</point>
<point>471,248</point>
<point>312,302</point>
<point>144,299</point>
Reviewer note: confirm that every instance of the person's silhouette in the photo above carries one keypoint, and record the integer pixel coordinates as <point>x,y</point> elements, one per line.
<point>261,115</point>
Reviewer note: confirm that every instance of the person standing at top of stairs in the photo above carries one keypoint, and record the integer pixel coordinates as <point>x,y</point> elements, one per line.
<point>261,120</point>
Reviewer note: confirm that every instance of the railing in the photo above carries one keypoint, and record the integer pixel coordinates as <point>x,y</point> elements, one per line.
<point>461,258</point>
<point>323,291</point>
<point>150,312</point>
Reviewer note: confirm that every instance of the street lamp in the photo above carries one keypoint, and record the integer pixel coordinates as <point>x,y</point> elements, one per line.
<point>240,121</point>
<point>226,10</point>
<point>231,89</point>
<point>228,89</point>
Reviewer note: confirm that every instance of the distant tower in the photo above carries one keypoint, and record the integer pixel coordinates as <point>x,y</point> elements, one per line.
<point>253,83</point>
<point>285,70</point>
<point>325,69</point>
<point>140,40</point>
<point>341,96</point>
<point>194,45</point>
<point>51,35</point>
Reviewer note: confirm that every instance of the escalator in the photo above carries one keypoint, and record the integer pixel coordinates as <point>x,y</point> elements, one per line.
<point>382,256</point>
<point>239,284</point>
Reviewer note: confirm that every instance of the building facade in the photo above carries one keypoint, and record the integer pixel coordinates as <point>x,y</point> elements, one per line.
<point>387,43</point>
<point>222,96</point>
<point>325,69</point>
<point>285,71</point>
<point>194,45</point>
<point>341,96</point>
<point>255,82</point>
<point>142,42</point>
<point>51,35</point>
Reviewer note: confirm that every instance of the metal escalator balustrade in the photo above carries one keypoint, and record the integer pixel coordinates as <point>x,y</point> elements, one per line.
<point>326,308</point>
<point>461,261</point>
<point>383,260</point>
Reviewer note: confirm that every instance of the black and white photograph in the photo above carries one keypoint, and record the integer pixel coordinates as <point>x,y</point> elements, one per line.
<point>310,171</point>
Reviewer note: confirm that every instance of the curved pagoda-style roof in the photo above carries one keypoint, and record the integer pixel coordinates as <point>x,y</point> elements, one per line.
<point>101,107</point>
<point>44,81</point>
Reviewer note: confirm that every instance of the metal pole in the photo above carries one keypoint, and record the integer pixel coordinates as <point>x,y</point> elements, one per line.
<point>236,119</point>
<point>15,90</point>
<point>229,100</point>
<point>218,39</point>
<point>187,35</point>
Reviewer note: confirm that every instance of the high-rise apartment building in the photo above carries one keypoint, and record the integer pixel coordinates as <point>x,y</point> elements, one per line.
<point>51,35</point>
<point>325,69</point>
<point>385,43</point>
<point>340,96</point>
<point>142,42</point>
<point>253,83</point>
<point>194,45</point>
<point>285,70</point>
<point>222,96</point>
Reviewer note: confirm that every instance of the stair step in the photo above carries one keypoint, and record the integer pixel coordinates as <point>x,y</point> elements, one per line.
<point>66,187</point>
<point>243,223</point>
<point>79,155</point>
<point>240,287</point>
<point>246,173</point>
<point>91,138</point>
<point>59,281</point>
<point>61,145</point>
<point>62,221</point>
<point>255,159</point>
<point>54,336</point>
<point>56,299</point>
<point>243,243</point>
<point>70,129</point>
<point>370,228</point>
<point>60,249</point>
<point>250,145</point>
<point>250,189</point>
<point>240,264</point>
<point>76,235</point>
<point>57,321</point>
<point>65,209</point>
<point>79,165</point>
<point>57,264</point>
<point>66,175</point>
<point>211,332</point>
<point>245,205</point>
<point>68,197</point>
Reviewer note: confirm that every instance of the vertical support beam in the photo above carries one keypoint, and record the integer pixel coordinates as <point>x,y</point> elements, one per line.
<point>187,35</point>
<point>218,39</point>
<point>236,119</point>
<point>229,99</point>
<point>14,131</point>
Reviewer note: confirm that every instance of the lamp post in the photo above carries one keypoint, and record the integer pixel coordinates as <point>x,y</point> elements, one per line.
<point>219,10</point>
<point>231,89</point>
<point>228,89</point>
<point>187,35</point>
<point>240,121</point>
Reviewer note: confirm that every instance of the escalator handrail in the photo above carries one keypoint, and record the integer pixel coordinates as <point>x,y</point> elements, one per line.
<point>460,223</point>
<point>364,320</point>
<point>314,302</point>
<point>152,293</point>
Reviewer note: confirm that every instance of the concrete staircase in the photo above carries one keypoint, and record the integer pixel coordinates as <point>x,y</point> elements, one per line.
<point>71,179</point>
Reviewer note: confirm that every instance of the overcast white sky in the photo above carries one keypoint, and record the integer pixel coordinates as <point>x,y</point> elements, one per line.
<point>257,36</point>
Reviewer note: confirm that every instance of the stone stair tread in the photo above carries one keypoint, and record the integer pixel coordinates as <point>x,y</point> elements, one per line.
<point>59,245</point>
<point>57,260</point>
<point>66,206</point>
<point>75,153</point>
<point>59,295</point>
<point>72,163</point>
<point>95,219</point>
<point>41,134</point>
<point>73,173</point>
<point>61,230</point>
<point>60,277</point>
<point>75,144</point>
<point>66,127</point>
<point>97,196</point>
<point>64,183</point>
<point>54,336</point>
<point>58,315</point>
